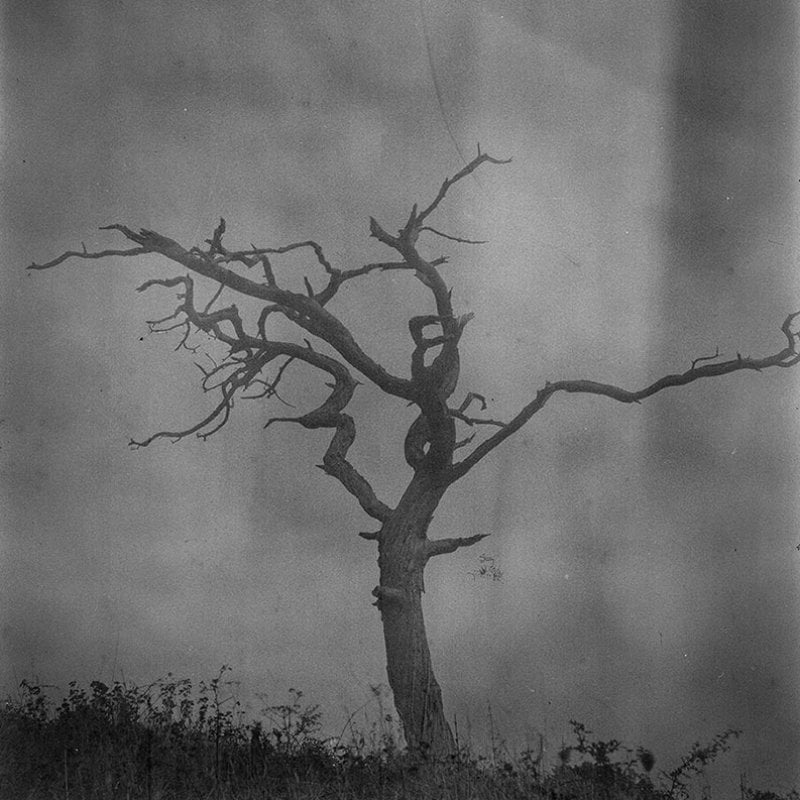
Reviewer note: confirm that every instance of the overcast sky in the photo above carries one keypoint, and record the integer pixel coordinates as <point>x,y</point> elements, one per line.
<point>648,553</point>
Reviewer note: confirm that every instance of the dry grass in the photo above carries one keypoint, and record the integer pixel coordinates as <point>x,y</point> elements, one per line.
<point>173,741</point>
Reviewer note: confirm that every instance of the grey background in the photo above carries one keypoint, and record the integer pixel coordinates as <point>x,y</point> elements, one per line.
<point>648,553</point>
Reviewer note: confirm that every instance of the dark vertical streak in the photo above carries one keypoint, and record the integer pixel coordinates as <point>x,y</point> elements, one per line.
<point>435,80</point>
<point>732,90</point>
<point>733,186</point>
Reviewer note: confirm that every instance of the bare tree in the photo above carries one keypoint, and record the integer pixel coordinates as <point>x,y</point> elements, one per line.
<point>433,449</point>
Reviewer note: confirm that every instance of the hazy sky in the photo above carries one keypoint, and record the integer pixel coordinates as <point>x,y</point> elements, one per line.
<point>649,558</point>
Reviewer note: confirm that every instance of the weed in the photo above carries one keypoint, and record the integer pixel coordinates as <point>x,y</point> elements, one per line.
<point>173,741</point>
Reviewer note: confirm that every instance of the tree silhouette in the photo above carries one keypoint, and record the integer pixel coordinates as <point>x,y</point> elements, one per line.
<point>256,363</point>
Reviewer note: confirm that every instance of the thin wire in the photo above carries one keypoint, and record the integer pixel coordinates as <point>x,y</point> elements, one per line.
<point>438,90</point>
<point>436,87</point>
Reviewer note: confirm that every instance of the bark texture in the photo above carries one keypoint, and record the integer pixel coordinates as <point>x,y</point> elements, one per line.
<point>402,557</point>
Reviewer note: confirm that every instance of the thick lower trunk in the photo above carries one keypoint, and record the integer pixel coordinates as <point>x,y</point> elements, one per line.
<point>417,696</point>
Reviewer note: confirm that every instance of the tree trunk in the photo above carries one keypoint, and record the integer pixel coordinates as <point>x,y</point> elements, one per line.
<point>402,558</point>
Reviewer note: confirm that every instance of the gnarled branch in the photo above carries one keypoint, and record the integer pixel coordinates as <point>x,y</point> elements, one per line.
<point>438,547</point>
<point>787,357</point>
<point>303,310</point>
<point>481,158</point>
<point>405,242</point>
<point>134,251</point>
<point>330,415</point>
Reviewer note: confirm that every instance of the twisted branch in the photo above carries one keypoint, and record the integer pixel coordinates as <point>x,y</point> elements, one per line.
<point>787,357</point>
<point>305,311</point>
<point>330,415</point>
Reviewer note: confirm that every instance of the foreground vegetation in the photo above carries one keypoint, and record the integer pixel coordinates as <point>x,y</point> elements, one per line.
<point>172,740</point>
